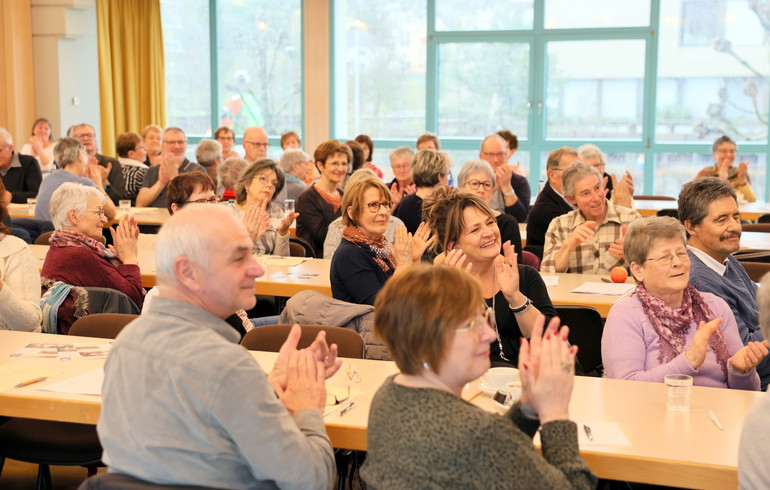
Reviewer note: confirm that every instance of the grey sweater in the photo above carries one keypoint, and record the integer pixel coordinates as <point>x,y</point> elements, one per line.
<point>427,438</point>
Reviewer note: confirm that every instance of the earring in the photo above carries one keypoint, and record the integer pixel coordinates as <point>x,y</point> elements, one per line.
<point>426,365</point>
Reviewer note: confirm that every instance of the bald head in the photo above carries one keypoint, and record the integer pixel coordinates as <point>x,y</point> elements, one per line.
<point>494,150</point>
<point>255,143</point>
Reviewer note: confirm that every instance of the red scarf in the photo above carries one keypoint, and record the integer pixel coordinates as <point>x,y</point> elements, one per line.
<point>67,238</point>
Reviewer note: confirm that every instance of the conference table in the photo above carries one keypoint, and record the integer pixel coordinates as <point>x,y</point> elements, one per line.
<point>749,211</point>
<point>667,448</point>
<point>143,216</point>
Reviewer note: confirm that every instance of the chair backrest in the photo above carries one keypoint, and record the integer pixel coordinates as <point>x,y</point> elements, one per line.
<point>309,252</point>
<point>756,270</point>
<point>43,238</point>
<point>654,198</point>
<point>271,337</point>
<point>585,330</point>
<point>752,256</point>
<point>673,212</point>
<point>296,249</point>
<point>760,227</point>
<point>765,218</point>
<point>530,259</point>
<point>101,325</point>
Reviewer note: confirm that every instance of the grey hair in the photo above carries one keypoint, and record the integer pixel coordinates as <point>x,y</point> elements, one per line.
<point>591,151</point>
<point>722,139</point>
<point>230,171</point>
<point>401,151</point>
<point>554,158</point>
<point>575,172</point>
<point>290,157</point>
<point>172,129</point>
<point>427,165</point>
<point>473,167</point>
<point>71,196</point>
<point>493,137</point>
<point>695,197</point>
<point>763,300</point>
<point>68,151</point>
<point>208,151</point>
<point>6,136</point>
<point>644,232</point>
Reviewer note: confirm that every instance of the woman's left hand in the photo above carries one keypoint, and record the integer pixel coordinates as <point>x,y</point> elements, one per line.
<point>402,249</point>
<point>421,239</point>
<point>286,223</point>
<point>508,274</point>
<point>124,238</point>
<point>749,356</point>
<point>256,221</point>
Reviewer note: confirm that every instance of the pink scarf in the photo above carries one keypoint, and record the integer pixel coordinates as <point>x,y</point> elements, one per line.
<point>672,324</point>
<point>66,238</point>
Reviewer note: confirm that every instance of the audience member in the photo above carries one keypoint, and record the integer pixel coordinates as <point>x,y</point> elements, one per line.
<point>368,146</point>
<point>709,211</point>
<point>152,137</point>
<point>216,419</point>
<point>290,141</point>
<point>40,145</point>
<point>550,203</point>
<point>468,236</point>
<point>477,177</point>
<point>78,257</point>
<point>320,204</point>
<point>112,171</point>
<point>174,161</point>
<point>209,155</point>
<point>74,166</point>
<point>226,138</point>
<point>669,327</point>
<point>430,171</point>
<point>402,183</point>
<point>255,143</point>
<point>724,150</point>
<point>255,193</point>
<point>297,166</point>
<point>589,239</point>
<point>422,434</point>
<point>512,145</point>
<point>19,279</point>
<point>20,173</point>
<point>428,141</point>
<point>620,192</point>
<point>358,156</point>
<point>132,153</point>
<point>511,194</point>
<point>228,174</point>
<point>753,471</point>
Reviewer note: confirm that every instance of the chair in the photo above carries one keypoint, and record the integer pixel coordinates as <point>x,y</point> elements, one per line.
<point>654,198</point>
<point>760,227</point>
<point>101,325</point>
<point>296,242</point>
<point>530,259</point>
<point>296,249</point>
<point>765,218</point>
<point>271,337</point>
<point>756,270</point>
<point>585,330</point>
<point>44,238</point>
<point>673,212</point>
<point>118,481</point>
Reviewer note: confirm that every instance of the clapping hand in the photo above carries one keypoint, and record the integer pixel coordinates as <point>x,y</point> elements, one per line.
<point>322,352</point>
<point>421,239</point>
<point>616,247</point>
<point>749,356</point>
<point>457,258</point>
<point>256,221</point>
<point>124,239</point>
<point>696,353</point>
<point>508,273</point>
<point>402,248</point>
<point>283,229</point>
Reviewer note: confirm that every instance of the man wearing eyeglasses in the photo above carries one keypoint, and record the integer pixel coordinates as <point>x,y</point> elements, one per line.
<point>112,170</point>
<point>708,208</point>
<point>255,143</point>
<point>173,162</point>
<point>550,203</point>
<point>511,194</point>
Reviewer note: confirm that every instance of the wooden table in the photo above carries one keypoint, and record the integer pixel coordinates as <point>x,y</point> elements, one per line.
<point>755,240</point>
<point>144,216</point>
<point>669,448</point>
<point>561,295</point>
<point>750,211</point>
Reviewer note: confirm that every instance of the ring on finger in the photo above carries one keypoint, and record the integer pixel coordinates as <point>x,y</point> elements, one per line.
<point>566,366</point>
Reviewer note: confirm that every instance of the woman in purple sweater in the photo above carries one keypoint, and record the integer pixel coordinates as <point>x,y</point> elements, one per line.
<point>667,326</point>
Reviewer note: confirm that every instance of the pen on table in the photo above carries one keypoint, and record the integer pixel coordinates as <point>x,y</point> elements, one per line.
<point>31,381</point>
<point>347,409</point>
<point>587,430</point>
<point>716,421</point>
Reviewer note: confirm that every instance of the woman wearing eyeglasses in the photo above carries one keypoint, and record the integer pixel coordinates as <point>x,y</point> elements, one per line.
<point>667,326</point>
<point>364,260</point>
<point>422,434</point>
<point>255,193</point>
<point>78,257</point>
<point>477,177</point>
<point>468,237</point>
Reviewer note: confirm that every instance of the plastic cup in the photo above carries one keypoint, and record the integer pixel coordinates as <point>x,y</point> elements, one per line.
<point>124,205</point>
<point>678,392</point>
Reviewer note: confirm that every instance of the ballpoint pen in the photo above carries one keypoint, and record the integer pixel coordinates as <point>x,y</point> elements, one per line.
<point>31,381</point>
<point>587,430</point>
<point>716,421</point>
<point>347,409</point>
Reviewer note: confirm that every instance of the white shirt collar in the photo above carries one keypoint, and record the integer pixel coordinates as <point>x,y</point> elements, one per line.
<point>707,259</point>
<point>130,162</point>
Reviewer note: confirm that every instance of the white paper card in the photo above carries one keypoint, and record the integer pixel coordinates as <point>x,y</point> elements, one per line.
<point>604,434</point>
<point>85,384</point>
<point>611,289</point>
<point>551,280</point>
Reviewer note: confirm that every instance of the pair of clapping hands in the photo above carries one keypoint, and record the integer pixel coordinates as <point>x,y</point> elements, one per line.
<point>742,361</point>
<point>587,230</point>
<point>408,248</point>
<point>256,221</point>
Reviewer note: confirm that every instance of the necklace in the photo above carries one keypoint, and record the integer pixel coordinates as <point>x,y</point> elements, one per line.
<point>494,318</point>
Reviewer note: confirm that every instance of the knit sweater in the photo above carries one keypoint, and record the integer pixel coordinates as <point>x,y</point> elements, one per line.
<point>430,439</point>
<point>20,294</point>
<point>740,294</point>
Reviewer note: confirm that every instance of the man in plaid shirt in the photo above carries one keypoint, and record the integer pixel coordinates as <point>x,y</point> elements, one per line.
<point>588,240</point>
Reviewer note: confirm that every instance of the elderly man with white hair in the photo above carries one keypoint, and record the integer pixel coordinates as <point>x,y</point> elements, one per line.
<point>620,192</point>
<point>184,404</point>
<point>210,157</point>
<point>296,166</point>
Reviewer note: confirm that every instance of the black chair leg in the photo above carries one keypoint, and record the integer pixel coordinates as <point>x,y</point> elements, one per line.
<point>43,477</point>
<point>2,463</point>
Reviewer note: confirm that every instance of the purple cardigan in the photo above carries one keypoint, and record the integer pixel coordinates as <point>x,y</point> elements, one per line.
<point>630,348</point>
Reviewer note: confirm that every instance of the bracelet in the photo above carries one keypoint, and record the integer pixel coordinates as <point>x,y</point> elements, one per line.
<point>521,308</point>
<point>735,371</point>
<point>509,193</point>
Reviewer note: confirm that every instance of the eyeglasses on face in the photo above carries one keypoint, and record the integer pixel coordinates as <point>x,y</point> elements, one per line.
<point>337,164</point>
<point>84,136</point>
<point>175,142</point>
<point>98,211</point>
<point>487,184</point>
<point>375,206</point>
<point>210,200</point>
<point>666,260</point>
<point>257,144</point>
<point>494,155</point>
<point>476,326</point>
<point>265,181</point>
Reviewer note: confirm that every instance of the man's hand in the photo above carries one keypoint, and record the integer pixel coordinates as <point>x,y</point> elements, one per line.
<point>305,387</point>
<point>581,234</point>
<point>169,168</point>
<point>616,247</point>
<point>503,178</point>
<point>323,353</point>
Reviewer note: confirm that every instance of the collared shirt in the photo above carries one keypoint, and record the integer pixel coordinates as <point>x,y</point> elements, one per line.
<point>14,163</point>
<point>184,404</point>
<point>592,256</point>
<point>709,261</point>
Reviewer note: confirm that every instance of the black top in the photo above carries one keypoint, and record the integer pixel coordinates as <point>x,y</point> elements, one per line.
<point>410,212</point>
<point>315,214</point>
<point>23,182</point>
<point>355,277</point>
<point>520,210</point>
<point>117,188</point>
<point>532,286</point>
<point>509,231</point>
<point>548,206</point>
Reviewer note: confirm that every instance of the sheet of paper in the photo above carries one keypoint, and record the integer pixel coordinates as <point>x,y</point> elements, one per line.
<point>340,393</point>
<point>11,375</point>
<point>604,434</point>
<point>551,280</point>
<point>64,352</point>
<point>288,261</point>
<point>611,289</point>
<point>85,384</point>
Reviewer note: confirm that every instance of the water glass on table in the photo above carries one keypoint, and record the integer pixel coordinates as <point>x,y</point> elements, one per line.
<point>678,392</point>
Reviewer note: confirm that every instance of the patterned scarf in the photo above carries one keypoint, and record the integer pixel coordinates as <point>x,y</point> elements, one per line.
<point>378,250</point>
<point>672,324</point>
<point>67,238</point>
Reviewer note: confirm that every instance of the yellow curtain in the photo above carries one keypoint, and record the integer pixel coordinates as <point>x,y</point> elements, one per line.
<point>131,70</point>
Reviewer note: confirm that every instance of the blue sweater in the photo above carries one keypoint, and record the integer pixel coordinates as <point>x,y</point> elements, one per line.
<point>740,293</point>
